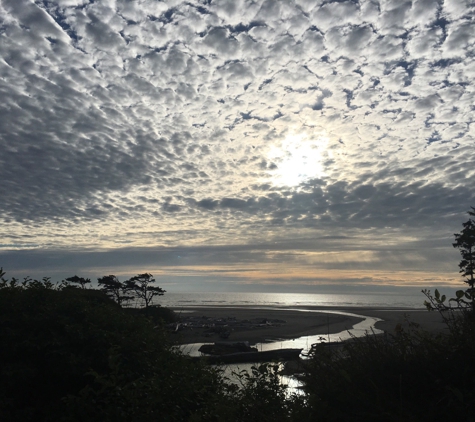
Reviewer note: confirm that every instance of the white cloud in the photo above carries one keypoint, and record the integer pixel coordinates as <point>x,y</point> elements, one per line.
<point>424,44</point>
<point>393,16</point>
<point>335,14</point>
<point>150,123</point>
<point>456,9</point>
<point>460,38</point>
<point>423,12</point>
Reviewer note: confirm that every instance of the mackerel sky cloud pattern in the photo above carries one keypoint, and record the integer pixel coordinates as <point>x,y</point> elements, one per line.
<point>262,126</point>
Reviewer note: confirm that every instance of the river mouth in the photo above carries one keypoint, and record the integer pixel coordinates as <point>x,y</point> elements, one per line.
<point>360,329</point>
<point>293,385</point>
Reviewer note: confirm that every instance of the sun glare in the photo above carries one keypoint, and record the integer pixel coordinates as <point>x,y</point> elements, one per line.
<point>297,159</point>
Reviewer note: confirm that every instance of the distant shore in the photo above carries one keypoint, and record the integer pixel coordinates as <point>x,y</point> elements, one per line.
<point>297,322</point>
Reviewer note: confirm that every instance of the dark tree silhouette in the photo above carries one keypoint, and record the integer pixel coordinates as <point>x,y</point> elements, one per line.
<point>141,286</point>
<point>465,242</point>
<point>79,280</point>
<point>115,289</point>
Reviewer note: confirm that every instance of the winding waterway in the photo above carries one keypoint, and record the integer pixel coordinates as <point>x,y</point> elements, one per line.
<point>305,342</point>
<point>367,325</point>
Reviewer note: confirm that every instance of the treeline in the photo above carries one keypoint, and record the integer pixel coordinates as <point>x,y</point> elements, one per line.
<point>140,287</point>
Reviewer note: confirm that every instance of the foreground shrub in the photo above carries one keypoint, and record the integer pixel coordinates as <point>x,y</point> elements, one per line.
<point>260,396</point>
<point>74,354</point>
<point>411,376</point>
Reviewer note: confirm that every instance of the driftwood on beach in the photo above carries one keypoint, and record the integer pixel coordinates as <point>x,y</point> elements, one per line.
<point>226,348</point>
<point>222,326</point>
<point>253,357</point>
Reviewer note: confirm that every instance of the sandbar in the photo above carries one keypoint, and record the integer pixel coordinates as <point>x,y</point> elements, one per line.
<point>299,322</point>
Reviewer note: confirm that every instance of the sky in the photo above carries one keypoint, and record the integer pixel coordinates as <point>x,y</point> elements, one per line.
<point>237,145</point>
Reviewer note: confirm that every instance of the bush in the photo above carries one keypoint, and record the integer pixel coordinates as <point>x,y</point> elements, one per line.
<point>74,354</point>
<point>262,397</point>
<point>155,313</point>
<point>411,376</point>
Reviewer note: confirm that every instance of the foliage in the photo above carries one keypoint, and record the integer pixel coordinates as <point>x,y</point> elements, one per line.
<point>115,289</point>
<point>465,241</point>
<point>262,397</point>
<point>141,286</point>
<point>173,389</point>
<point>73,354</point>
<point>156,314</point>
<point>409,376</point>
<point>79,280</point>
<point>464,300</point>
<point>454,310</point>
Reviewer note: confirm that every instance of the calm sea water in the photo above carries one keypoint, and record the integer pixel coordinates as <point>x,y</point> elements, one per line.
<point>384,300</point>
<point>288,300</point>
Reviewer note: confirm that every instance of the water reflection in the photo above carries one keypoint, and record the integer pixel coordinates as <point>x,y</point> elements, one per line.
<point>358,330</point>
<point>293,385</point>
<point>305,342</point>
<point>366,326</point>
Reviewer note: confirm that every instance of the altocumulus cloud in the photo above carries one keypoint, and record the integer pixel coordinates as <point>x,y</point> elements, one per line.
<point>205,123</point>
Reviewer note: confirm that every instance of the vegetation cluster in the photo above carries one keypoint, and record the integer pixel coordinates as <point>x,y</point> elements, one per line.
<point>71,353</point>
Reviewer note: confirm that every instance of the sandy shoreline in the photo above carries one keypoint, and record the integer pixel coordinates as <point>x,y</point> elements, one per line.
<point>302,321</point>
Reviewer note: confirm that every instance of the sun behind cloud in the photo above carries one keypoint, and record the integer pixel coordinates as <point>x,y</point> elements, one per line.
<point>298,159</point>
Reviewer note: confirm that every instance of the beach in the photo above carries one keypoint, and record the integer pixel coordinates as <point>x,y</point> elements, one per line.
<point>259,325</point>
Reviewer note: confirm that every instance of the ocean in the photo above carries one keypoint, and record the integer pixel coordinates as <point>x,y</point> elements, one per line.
<point>413,300</point>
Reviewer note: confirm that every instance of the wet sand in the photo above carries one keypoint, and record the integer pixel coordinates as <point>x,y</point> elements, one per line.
<point>301,322</point>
